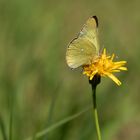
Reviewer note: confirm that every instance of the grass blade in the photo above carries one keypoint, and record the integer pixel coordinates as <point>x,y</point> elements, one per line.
<point>3,131</point>
<point>60,123</point>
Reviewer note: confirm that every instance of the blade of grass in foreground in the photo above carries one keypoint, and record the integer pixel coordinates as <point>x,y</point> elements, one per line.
<point>51,109</point>
<point>11,108</point>
<point>58,124</point>
<point>2,127</point>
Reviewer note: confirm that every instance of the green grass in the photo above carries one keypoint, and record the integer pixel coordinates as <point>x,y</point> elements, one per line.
<point>33,41</point>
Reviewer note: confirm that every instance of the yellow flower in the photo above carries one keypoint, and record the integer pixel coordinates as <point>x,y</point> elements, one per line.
<point>104,66</point>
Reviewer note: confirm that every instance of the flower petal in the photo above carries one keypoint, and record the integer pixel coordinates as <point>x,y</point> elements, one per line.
<point>122,68</point>
<point>115,79</point>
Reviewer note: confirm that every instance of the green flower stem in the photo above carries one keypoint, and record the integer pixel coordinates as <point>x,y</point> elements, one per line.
<point>96,113</point>
<point>94,82</point>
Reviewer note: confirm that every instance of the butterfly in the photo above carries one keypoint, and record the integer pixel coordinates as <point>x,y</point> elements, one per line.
<point>84,49</point>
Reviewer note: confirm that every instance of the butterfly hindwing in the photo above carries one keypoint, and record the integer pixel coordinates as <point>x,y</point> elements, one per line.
<point>80,52</point>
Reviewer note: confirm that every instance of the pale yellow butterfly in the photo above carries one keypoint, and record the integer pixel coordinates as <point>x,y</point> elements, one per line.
<point>85,47</point>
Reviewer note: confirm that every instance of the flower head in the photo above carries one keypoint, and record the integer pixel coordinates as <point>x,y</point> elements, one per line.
<point>104,66</point>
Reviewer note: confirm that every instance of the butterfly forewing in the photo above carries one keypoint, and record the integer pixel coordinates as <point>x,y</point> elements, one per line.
<point>90,31</point>
<point>85,47</point>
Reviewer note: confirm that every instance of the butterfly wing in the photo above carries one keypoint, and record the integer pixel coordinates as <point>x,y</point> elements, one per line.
<point>83,49</point>
<point>90,31</point>
<point>80,51</point>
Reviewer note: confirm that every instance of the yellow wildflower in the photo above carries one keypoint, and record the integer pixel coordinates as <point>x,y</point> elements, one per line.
<point>104,66</point>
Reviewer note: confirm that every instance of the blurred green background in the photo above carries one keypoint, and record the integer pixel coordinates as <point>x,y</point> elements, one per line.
<point>39,89</point>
